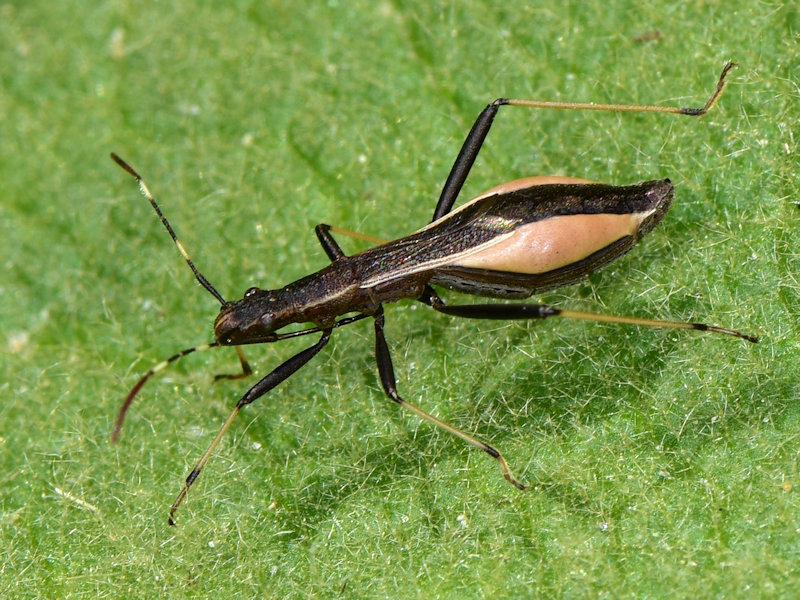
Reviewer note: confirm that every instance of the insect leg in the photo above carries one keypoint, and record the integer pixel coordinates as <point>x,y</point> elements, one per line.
<point>543,311</point>
<point>386,372</point>
<point>247,370</point>
<point>476,136</point>
<point>356,235</point>
<point>329,244</point>
<point>466,158</point>
<point>277,376</point>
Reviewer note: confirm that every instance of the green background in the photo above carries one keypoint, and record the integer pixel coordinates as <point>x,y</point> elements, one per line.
<point>660,463</point>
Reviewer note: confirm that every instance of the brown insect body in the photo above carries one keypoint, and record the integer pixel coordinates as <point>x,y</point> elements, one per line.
<point>522,237</point>
<point>404,267</point>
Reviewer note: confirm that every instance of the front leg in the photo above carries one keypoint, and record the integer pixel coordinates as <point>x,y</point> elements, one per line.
<point>274,378</point>
<point>247,370</point>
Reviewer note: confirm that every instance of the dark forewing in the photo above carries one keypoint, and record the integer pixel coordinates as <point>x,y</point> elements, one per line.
<point>481,223</point>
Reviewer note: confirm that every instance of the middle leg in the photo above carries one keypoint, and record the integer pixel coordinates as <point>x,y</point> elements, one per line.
<point>386,372</point>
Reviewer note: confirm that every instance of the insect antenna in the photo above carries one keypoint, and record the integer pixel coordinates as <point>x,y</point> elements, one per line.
<point>200,278</point>
<point>142,186</point>
<point>139,384</point>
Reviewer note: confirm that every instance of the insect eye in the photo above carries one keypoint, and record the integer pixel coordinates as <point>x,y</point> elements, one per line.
<point>251,291</point>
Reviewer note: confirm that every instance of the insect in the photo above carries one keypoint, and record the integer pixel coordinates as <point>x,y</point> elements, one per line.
<point>510,242</point>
